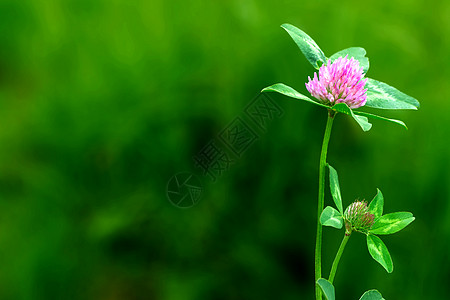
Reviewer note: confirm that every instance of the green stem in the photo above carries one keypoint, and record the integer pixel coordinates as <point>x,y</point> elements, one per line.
<point>322,166</point>
<point>338,257</point>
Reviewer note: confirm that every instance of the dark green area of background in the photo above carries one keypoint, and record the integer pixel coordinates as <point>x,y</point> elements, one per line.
<point>102,102</point>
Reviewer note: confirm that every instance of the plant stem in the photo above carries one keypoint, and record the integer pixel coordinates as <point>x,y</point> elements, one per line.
<point>338,257</point>
<point>322,166</point>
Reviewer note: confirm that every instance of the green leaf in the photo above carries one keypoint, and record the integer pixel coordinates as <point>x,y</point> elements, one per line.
<point>361,120</point>
<point>372,295</point>
<point>384,96</point>
<point>361,113</point>
<point>335,190</point>
<point>331,217</point>
<point>357,53</point>
<point>327,288</point>
<point>307,45</point>
<point>290,92</point>
<point>376,205</point>
<point>392,223</point>
<point>379,252</point>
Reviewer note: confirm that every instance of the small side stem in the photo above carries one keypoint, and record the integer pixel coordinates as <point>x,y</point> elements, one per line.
<point>338,257</point>
<point>322,166</point>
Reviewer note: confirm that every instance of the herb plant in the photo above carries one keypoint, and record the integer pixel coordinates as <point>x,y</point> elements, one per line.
<point>341,86</point>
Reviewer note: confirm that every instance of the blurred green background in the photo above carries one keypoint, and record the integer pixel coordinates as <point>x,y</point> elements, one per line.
<point>102,102</point>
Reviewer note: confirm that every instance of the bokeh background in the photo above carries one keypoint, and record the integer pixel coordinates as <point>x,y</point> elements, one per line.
<point>102,102</point>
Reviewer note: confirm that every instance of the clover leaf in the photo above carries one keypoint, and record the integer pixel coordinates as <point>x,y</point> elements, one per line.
<point>378,95</point>
<point>367,219</point>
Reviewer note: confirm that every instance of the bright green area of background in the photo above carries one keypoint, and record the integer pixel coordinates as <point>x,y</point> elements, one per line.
<point>101,102</point>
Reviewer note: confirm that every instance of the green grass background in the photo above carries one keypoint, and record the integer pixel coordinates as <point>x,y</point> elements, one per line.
<point>101,102</point>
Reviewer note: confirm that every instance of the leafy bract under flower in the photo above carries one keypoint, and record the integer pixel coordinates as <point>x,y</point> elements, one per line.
<point>340,81</point>
<point>339,89</point>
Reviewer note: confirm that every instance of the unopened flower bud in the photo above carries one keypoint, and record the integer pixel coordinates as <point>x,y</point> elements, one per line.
<point>358,217</point>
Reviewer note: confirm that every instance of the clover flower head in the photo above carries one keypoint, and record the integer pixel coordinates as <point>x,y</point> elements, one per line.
<point>358,217</point>
<point>340,81</point>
